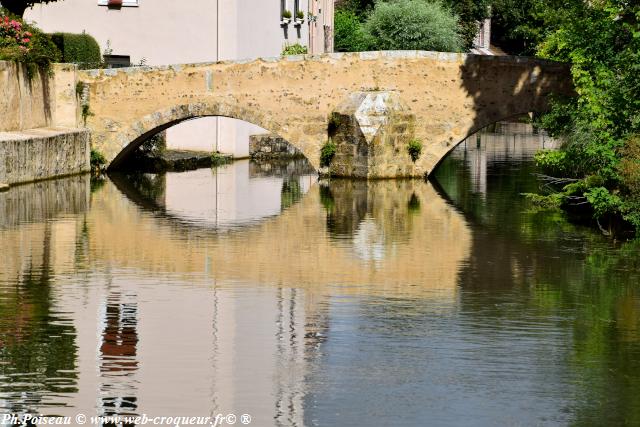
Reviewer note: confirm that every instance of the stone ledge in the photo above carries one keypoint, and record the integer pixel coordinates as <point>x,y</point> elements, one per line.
<point>43,153</point>
<point>367,55</point>
<point>38,133</point>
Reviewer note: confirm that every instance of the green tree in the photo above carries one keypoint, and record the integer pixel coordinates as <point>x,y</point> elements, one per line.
<point>360,8</point>
<point>601,41</point>
<point>413,24</point>
<point>470,13</point>
<point>349,36</point>
<point>519,26</point>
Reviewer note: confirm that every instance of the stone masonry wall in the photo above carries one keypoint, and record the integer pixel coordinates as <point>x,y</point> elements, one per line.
<point>39,115</point>
<point>269,146</point>
<point>43,153</point>
<point>39,101</point>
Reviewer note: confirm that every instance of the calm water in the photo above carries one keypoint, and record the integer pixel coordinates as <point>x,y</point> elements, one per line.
<point>255,289</point>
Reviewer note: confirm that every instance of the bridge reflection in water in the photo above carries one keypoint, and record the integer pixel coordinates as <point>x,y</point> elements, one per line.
<point>182,293</point>
<point>341,303</point>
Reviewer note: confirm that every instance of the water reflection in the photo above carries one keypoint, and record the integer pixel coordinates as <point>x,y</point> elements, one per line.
<point>560,293</point>
<point>325,303</point>
<point>37,339</point>
<point>223,197</point>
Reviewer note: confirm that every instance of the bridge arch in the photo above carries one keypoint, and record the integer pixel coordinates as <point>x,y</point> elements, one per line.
<point>476,127</point>
<point>142,129</point>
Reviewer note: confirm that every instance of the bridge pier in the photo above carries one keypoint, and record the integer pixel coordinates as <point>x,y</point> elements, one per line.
<point>371,132</point>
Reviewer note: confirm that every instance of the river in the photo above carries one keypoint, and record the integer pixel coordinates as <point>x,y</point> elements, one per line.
<point>258,289</point>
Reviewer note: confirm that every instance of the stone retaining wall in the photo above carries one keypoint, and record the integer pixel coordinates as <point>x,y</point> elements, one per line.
<point>43,153</point>
<point>41,100</point>
<point>269,146</point>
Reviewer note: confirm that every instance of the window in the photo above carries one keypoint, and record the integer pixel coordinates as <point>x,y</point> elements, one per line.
<point>119,3</point>
<point>296,8</point>
<point>283,6</point>
<point>117,61</point>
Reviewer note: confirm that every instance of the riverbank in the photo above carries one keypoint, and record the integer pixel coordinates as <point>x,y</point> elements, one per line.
<point>174,161</point>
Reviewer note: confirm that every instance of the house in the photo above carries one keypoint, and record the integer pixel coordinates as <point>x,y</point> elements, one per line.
<point>160,32</point>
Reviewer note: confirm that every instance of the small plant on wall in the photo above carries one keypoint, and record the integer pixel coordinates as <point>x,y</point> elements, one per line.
<point>327,153</point>
<point>286,16</point>
<point>294,49</point>
<point>299,17</point>
<point>414,148</point>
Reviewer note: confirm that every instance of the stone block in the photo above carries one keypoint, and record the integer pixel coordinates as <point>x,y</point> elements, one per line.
<point>37,154</point>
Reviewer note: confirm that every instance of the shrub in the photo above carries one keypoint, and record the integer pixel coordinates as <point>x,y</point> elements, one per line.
<point>414,148</point>
<point>629,166</point>
<point>81,49</point>
<point>286,14</point>
<point>294,49</point>
<point>327,152</point>
<point>97,161</point>
<point>299,14</point>
<point>155,145</point>
<point>551,162</point>
<point>413,24</point>
<point>602,201</point>
<point>24,43</point>
<point>349,35</point>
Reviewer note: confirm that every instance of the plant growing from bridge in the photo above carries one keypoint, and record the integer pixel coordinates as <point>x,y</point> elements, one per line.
<point>97,161</point>
<point>85,111</point>
<point>414,148</point>
<point>327,153</point>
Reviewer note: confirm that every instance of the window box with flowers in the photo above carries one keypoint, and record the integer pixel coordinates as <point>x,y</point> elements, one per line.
<point>286,17</point>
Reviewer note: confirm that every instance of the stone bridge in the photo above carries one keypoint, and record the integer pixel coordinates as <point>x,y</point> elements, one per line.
<point>371,103</point>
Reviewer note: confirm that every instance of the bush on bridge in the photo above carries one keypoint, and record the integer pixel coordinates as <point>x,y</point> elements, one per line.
<point>25,43</point>
<point>80,49</point>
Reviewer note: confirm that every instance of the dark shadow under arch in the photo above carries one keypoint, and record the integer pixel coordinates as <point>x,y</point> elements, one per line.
<point>151,124</point>
<point>133,145</point>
